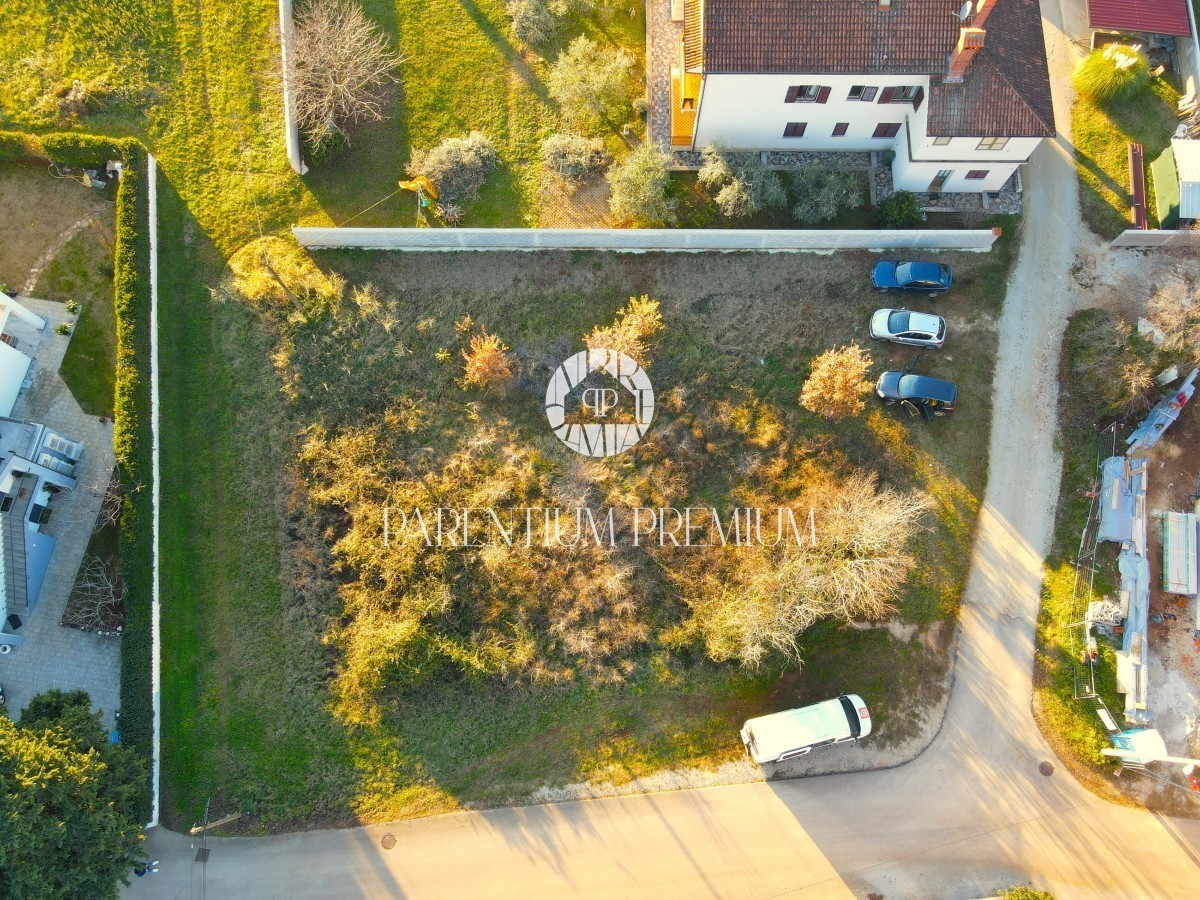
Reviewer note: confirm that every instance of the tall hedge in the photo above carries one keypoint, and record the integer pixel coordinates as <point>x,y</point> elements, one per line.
<point>132,436</point>
<point>17,146</point>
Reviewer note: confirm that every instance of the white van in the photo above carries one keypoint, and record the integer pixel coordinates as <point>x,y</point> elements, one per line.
<point>794,732</point>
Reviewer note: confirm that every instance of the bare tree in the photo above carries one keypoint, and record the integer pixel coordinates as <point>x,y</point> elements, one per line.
<point>339,63</point>
<point>95,603</point>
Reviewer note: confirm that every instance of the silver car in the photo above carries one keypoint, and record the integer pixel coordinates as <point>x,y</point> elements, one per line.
<point>902,326</point>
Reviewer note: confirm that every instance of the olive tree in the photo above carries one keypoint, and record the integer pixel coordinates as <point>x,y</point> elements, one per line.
<point>638,188</point>
<point>591,84</point>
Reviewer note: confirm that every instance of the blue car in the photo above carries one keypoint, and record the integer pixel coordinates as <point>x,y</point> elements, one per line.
<point>905,275</point>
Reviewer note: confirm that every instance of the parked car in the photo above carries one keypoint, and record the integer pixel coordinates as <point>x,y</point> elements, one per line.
<point>905,275</point>
<point>795,732</point>
<point>901,326</point>
<point>918,395</point>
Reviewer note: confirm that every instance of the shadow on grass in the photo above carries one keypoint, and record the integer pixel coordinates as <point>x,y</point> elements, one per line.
<point>507,50</point>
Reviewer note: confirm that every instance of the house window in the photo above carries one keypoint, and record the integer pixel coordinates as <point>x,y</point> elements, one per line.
<point>992,143</point>
<point>941,141</point>
<point>914,94</point>
<point>887,130</point>
<point>862,92</point>
<point>807,93</point>
<point>795,129</point>
<point>976,174</point>
<point>840,128</point>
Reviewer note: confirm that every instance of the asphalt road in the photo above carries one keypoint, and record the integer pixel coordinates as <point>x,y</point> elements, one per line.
<point>974,813</point>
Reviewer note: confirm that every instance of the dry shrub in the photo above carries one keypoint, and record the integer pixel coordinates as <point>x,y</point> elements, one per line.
<point>1175,310</point>
<point>486,362</point>
<point>747,604</point>
<point>457,166</point>
<point>838,382</point>
<point>1110,362</point>
<point>635,324</point>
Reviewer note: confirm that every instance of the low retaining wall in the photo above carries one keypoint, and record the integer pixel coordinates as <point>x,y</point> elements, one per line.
<point>291,129</point>
<point>641,240</point>
<point>1156,237</point>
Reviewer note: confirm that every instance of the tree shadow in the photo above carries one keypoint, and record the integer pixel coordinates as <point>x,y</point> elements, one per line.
<point>507,50</point>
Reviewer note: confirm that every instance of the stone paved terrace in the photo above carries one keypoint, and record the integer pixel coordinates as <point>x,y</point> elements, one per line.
<point>53,656</point>
<point>662,47</point>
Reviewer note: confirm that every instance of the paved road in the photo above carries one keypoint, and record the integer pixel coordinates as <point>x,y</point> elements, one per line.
<point>972,814</point>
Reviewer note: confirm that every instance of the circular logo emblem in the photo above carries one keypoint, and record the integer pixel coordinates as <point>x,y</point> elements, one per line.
<point>600,402</point>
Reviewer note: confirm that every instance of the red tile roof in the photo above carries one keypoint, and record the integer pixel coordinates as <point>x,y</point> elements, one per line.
<point>1153,16</point>
<point>1006,92</point>
<point>835,36</point>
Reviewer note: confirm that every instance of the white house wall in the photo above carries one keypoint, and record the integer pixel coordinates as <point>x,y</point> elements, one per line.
<point>748,112</point>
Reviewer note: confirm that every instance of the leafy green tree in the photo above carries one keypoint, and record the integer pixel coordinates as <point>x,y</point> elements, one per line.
<point>638,188</point>
<point>591,84</point>
<point>740,191</point>
<point>68,801</point>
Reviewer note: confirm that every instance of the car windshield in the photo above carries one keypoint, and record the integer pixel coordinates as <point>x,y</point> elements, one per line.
<point>851,716</point>
<point>904,273</point>
<point>898,322</point>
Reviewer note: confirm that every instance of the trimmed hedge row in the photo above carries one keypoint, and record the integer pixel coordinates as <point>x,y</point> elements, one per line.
<point>132,414</point>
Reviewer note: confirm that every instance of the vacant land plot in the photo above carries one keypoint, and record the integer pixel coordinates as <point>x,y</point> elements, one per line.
<point>253,684</point>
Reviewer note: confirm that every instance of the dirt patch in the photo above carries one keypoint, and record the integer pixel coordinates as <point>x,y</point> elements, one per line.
<point>562,204</point>
<point>36,210</point>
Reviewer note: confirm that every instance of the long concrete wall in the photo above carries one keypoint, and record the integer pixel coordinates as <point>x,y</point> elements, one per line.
<point>291,129</point>
<point>1155,237</point>
<point>641,240</point>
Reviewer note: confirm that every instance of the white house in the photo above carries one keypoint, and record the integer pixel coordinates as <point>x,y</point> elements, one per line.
<point>15,365</point>
<point>959,91</point>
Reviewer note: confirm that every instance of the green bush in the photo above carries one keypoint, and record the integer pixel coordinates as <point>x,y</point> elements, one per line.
<point>901,210</point>
<point>457,166</point>
<point>16,146</point>
<point>327,146</point>
<point>822,192</point>
<point>533,21</point>
<point>573,157</point>
<point>638,188</point>
<point>1115,71</point>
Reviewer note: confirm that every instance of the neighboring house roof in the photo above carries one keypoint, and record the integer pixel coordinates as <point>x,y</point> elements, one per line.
<point>1006,91</point>
<point>1152,16</point>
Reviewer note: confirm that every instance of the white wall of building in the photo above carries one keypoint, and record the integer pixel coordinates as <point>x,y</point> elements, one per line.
<point>749,112</point>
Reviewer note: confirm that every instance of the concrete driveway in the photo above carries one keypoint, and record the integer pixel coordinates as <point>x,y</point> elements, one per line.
<point>985,806</point>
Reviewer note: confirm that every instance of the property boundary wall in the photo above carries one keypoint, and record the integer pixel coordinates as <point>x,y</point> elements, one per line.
<point>642,240</point>
<point>1152,238</point>
<point>290,126</point>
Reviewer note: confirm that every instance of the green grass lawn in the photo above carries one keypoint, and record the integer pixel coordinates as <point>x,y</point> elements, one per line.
<point>83,272</point>
<point>1102,134</point>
